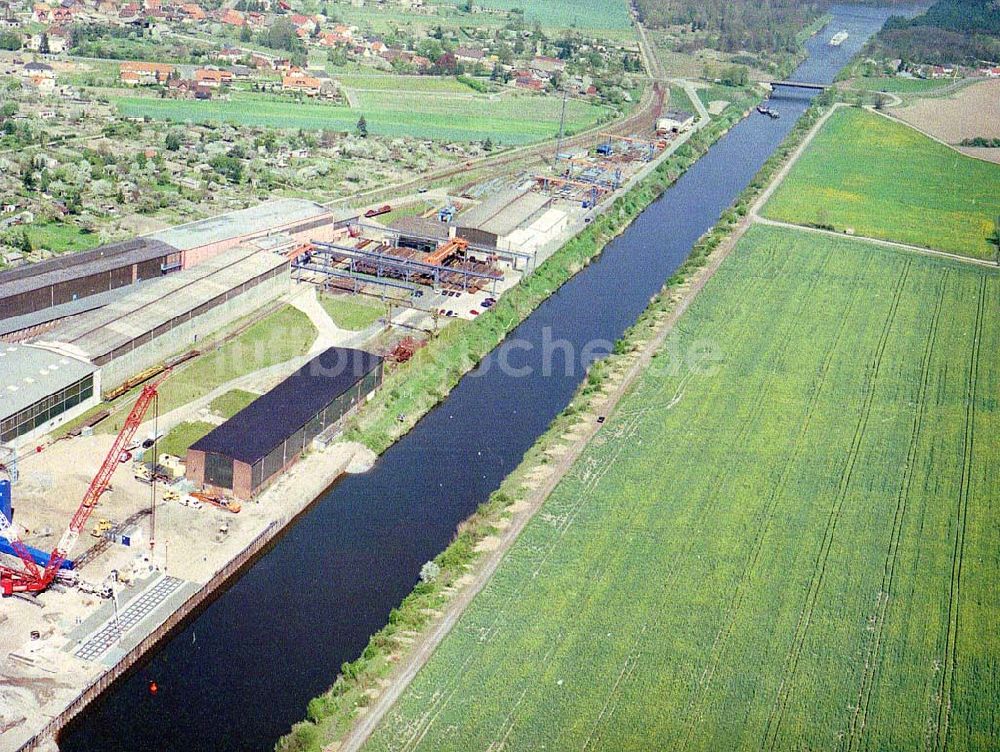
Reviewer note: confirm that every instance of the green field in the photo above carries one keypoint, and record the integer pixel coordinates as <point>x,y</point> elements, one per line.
<point>886,180</point>
<point>181,436</point>
<point>900,85</point>
<point>794,548</point>
<point>608,17</point>
<point>230,403</point>
<point>54,236</point>
<point>386,82</point>
<point>352,313</point>
<point>562,14</point>
<point>506,120</point>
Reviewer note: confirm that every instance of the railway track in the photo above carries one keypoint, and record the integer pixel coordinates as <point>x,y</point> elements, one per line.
<point>643,119</point>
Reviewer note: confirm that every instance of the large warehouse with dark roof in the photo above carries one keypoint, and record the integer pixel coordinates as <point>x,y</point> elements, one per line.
<point>246,452</point>
<point>44,287</point>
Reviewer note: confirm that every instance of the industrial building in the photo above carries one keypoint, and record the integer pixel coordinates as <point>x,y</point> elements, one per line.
<point>491,222</point>
<point>206,238</point>
<point>674,121</point>
<point>246,452</point>
<point>34,296</point>
<point>68,284</point>
<point>419,232</point>
<point>128,335</point>
<point>40,389</point>
<point>543,230</point>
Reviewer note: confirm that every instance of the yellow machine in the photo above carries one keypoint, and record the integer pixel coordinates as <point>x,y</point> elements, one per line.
<point>103,526</point>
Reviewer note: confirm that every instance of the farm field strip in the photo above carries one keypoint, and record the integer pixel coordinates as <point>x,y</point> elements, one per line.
<point>882,179</point>
<point>508,120</point>
<point>762,557</point>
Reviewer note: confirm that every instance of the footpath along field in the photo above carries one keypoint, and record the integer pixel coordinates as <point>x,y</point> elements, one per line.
<point>886,180</point>
<point>796,550</point>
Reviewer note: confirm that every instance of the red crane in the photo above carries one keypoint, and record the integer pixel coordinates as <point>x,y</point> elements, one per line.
<point>32,579</point>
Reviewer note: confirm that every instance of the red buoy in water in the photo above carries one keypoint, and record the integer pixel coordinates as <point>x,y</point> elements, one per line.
<point>153,689</point>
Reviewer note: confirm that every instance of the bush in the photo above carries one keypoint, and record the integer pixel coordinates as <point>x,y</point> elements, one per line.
<point>429,572</point>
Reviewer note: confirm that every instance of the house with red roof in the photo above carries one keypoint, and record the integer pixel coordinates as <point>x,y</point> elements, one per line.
<point>231,17</point>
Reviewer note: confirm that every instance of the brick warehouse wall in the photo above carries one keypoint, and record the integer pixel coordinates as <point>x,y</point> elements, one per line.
<point>194,466</point>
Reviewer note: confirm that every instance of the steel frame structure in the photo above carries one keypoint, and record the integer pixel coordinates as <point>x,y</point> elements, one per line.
<point>511,257</point>
<point>386,263</point>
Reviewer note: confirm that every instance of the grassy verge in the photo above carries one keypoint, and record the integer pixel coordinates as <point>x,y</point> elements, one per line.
<point>276,338</point>
<point>283,335</point>
<point>415,387</point>
<point>353,314</point>
<point>181,436</point>
<point>230,403</point>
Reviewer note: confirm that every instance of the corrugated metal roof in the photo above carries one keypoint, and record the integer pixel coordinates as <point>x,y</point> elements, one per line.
<point>504,213</point>
<point>29,374</point>
<point>75,265</point>
<point>99,332</point>
<point>262,218</point>
<point>259,428</point>
<point>65,310</point>
<point>420,226</point>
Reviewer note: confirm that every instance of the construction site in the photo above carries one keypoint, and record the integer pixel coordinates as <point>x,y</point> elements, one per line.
<point>105,540</point>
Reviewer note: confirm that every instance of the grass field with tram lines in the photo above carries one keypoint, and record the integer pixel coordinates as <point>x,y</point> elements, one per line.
<point>796,549</point>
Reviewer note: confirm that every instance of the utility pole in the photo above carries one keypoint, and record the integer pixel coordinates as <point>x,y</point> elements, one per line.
<point>562,124</point>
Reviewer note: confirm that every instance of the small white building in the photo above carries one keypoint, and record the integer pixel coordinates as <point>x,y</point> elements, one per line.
<point>674,121</point>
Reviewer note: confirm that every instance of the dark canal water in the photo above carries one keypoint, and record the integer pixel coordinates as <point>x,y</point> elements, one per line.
<point>237,676</point>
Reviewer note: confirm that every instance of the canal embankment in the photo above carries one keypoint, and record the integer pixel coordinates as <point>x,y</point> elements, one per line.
<point>366,688</point>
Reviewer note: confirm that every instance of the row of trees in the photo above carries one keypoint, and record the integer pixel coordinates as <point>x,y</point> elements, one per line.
<point>951,31</point>
<point>736,24</point>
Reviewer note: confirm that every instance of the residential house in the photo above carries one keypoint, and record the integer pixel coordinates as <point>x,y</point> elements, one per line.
<point>300,21</point>
<point>229,54</point>
<point>262,61</point>
<point>405,56</point>
<point>60,38</point>
<point>180,88</point>
<point>40,77</point>
<point>41,13</point>
<point>547,64</point>
<point>231,17</point>
<point>299,81</point>
<point>212,78</point>
<point>193,12</point>
<point>469,55</point>
<point>142,74</point>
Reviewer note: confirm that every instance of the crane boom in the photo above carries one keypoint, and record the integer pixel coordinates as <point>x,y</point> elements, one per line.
<point>32,579</point>
<point>9,531</point>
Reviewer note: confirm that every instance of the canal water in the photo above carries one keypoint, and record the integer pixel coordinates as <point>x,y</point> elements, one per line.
<point>237,676</point>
